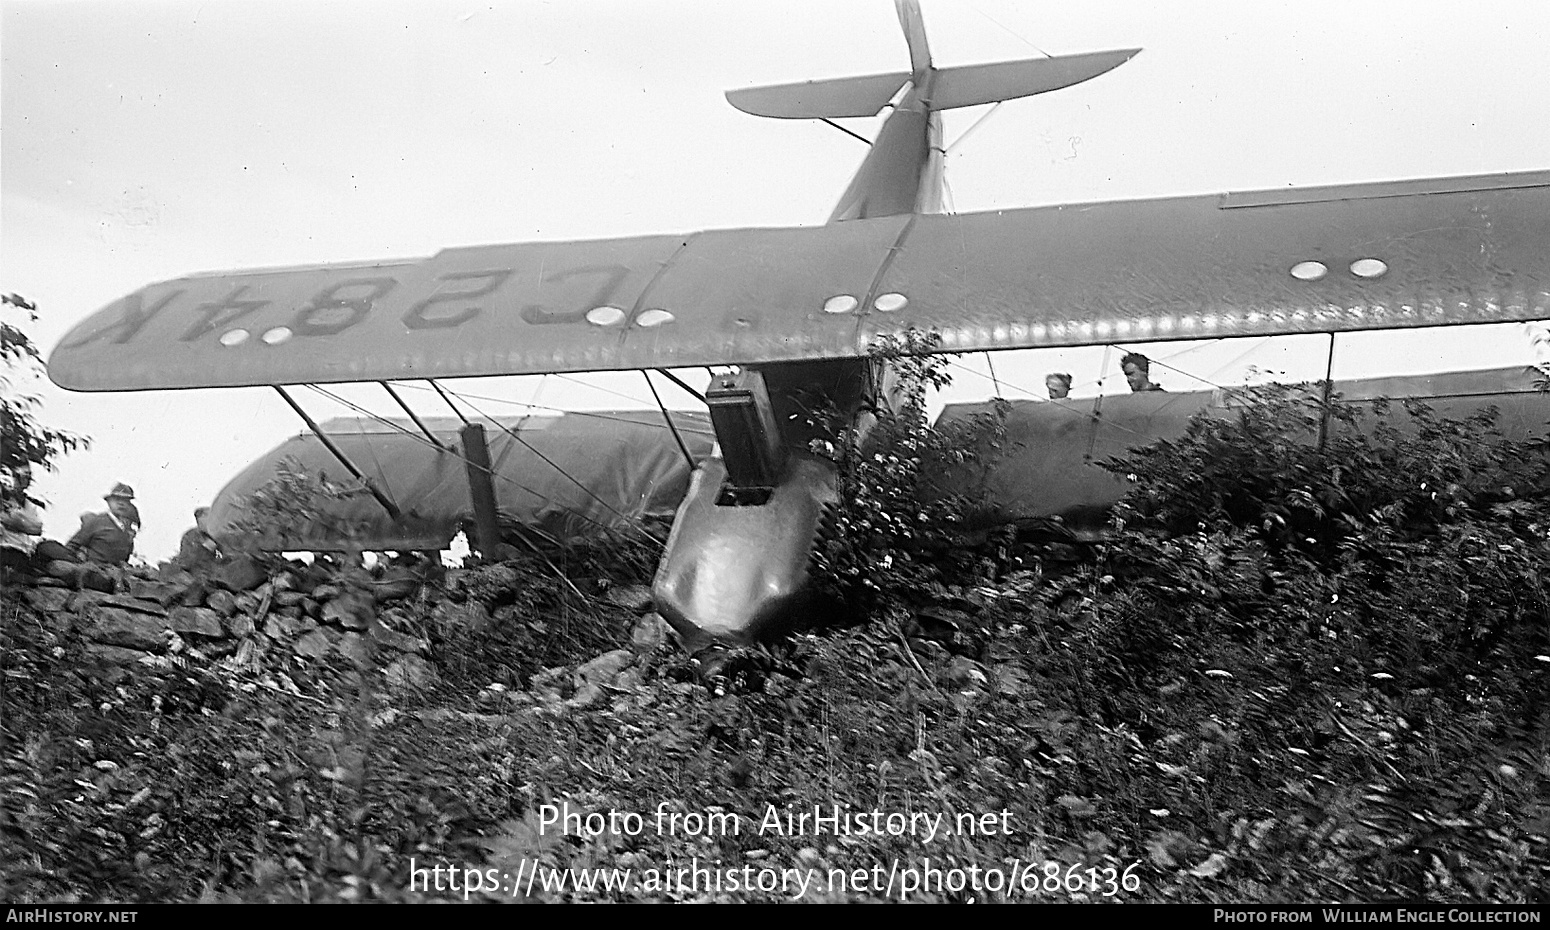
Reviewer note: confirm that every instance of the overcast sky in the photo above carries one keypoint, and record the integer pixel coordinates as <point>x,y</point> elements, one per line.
<point>142,141</point>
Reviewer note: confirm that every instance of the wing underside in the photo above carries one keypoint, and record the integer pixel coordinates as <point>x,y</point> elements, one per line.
<point>1391,255</point>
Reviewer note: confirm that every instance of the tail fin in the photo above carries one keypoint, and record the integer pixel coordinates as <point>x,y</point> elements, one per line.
<point>914,33</point>
<point>966,86</point>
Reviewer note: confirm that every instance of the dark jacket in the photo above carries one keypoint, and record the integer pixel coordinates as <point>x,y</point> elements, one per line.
<point>100,540</point>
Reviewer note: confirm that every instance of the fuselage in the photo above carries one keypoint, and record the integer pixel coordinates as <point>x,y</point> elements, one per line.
<point>741,572</point>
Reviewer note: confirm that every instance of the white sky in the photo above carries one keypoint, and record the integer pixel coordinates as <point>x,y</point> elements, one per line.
<point>142,141</point>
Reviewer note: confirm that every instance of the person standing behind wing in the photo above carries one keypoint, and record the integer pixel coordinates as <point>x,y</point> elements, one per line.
<point>1137,368</point>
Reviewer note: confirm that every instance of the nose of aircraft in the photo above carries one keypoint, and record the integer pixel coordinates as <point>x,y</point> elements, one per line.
<point>708,588</point>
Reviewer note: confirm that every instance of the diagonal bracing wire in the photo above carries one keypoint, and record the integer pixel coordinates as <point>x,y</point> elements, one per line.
<point>1162,362</point>
<point>570,413</point>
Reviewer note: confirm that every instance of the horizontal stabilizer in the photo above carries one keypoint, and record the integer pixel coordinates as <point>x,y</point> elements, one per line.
<point>965,86</point>
<point>1392,255</point>
<point>973,85</point>
<point>831,99</point>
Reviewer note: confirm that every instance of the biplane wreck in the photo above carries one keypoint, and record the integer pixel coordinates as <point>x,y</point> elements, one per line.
<point>795,310</point>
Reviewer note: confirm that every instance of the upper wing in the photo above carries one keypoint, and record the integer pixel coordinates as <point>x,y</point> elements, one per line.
<point>1373,256</point>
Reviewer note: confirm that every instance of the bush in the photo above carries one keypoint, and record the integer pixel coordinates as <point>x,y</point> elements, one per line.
<point>907,490</point>
<point>294,505</point>
<point>27,442</point>
<point>1360,630</point>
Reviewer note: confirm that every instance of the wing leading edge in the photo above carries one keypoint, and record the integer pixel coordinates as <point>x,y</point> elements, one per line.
<point>1392,255</point>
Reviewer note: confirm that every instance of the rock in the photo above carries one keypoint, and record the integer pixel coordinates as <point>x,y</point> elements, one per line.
<point>636,597</point>
<point>194,594</point>
<point>396,583</point>
<point>286,598</point>
<point>239,626</point>
<point>47,600</point>
<point>311,608</point>
<point>964,673</point>
<point>200,621</point>
<point>351,611</point>
<point>126,602</point>
<point>218,649</point>
<point>550,682</point>
<point>650,632</point>
<point>116,627</point>
<point>240,573</point>
<point>313,645</point>
<point>392,639</point>
<point>162,592</point>
<point>173,572</point>
<point>282,624</point>
<point>222,602</point>
<point>86,600</point>
<point>356,648</point>
<point>116,655</point>
<point>412,672</point>
<point>61,621</point>
<point>247,654</point>
<point>603,669</point>
<point>326,592</point>
<point>938,623</point>
<point>586,696</point>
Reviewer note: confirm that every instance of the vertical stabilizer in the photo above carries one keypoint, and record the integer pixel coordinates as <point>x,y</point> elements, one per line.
<point>903,172</point>
<point>914,34</point>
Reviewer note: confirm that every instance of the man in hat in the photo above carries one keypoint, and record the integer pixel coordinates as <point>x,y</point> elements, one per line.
<point>109,537</point>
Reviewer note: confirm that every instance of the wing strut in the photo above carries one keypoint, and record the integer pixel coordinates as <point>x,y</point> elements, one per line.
<point>481,491</point>
<point>417,421</point>
<point>669,418</point>
<point>442,391</point>
<point>1329,384</point>
<point>680,382</point>
<point>338,453</point>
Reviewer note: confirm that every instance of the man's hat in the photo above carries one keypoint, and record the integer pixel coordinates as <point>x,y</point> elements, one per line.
<point>121,490</point>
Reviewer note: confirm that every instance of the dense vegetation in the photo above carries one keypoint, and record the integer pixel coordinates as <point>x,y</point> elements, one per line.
<point>1290,674</point>
<point>28,442</point>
